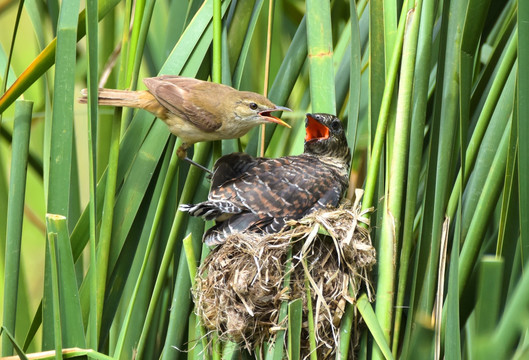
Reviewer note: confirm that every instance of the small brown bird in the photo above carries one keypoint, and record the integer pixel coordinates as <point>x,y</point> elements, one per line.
<point>260,194</point>
<point>196,110</point>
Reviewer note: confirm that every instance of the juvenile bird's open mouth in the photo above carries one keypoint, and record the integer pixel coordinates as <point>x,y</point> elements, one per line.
<point>267,114</point>
<point>315,130</point>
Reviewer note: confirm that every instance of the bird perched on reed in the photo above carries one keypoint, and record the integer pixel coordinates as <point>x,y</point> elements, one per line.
<point>261,194</point>
<point>196,110</point>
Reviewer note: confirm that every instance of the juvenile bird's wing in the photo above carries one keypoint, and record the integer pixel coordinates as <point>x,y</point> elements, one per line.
<point>256,194</point>
<point>286,187</point>
<point>186,98</point>
<point>227,169</point>
<point>268,194</point>
<point>231,167</point>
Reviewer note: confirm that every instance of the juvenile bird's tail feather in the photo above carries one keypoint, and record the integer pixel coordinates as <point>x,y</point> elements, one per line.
<point>211,210</point>
<point>247,222</point>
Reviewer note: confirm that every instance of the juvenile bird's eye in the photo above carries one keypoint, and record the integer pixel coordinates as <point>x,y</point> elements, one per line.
<point>336,125</point>
<point>253,106</point>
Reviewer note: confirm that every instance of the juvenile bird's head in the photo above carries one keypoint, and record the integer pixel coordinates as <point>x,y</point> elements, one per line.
<point>325,136</point>
<point>255,109</point>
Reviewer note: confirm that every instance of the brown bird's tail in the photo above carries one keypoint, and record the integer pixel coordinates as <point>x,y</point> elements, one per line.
<point>114,97</point>
<point>134,99</point>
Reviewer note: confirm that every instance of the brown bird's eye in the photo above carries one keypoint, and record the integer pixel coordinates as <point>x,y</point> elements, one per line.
<point>253,106</point>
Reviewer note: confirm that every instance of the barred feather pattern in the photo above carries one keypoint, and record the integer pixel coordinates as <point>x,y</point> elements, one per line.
<point>211,210</point>
<point>265,193</point>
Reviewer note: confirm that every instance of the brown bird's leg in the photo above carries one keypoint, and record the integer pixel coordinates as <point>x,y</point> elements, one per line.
<point>181,152</point>
<point>201,167</point>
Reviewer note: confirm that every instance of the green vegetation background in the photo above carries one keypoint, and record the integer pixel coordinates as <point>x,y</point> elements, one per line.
<point>434,102</point>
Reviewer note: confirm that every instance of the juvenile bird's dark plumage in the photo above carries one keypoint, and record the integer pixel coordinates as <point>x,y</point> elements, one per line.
<point>260,194</point>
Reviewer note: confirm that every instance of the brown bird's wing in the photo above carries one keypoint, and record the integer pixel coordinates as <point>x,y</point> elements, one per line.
<point>186,98</point>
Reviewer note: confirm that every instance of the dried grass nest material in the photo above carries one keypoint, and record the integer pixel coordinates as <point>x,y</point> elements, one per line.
<point>240,286</point>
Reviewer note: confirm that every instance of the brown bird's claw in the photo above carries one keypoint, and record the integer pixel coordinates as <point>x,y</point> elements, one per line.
<point>181,152</point>
<point>209,172</point>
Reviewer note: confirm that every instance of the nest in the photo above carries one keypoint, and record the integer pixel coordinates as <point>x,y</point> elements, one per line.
<point>241,284</point>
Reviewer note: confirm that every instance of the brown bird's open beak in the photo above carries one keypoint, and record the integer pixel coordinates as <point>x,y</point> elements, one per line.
<point>267,114</point>
<point>315,130</point>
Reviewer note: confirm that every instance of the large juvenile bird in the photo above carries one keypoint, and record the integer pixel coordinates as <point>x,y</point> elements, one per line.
<point>196,110</point>
<point>260,194</point>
